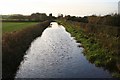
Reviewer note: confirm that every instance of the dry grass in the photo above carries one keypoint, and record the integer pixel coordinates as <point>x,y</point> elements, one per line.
<point>101,43</point>
<point>14,46</point>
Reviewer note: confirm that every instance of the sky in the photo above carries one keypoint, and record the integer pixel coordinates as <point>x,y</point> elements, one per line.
<point>65,7</point>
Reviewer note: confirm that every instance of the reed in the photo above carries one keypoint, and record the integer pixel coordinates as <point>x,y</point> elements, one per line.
<point>101,43</point>
<point>14,46</point>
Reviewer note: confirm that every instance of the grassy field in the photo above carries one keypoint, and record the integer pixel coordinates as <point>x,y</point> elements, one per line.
<point>15,26</point>
<point>100,43</point>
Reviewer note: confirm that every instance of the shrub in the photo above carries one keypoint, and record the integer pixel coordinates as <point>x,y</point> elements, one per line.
<point>14,46</point>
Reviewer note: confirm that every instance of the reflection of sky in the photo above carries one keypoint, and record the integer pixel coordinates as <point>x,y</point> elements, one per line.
<point>72,7</point>
<point>55,55</point>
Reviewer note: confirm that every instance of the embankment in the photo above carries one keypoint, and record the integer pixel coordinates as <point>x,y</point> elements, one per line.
<point>14,46</point>
<point>101,43</point>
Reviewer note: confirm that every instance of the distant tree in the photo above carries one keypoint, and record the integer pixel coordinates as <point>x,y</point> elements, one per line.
<point>50,15</point>
<point>17,16</point>
<point>38,17</point>
<point>67,17</point>
<point>78,19</point>
<point>60,15</point>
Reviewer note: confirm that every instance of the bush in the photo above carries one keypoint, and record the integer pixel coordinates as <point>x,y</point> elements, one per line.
<point>14,46</point>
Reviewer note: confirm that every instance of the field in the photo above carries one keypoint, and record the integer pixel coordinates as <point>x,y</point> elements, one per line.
<point>13,26</point>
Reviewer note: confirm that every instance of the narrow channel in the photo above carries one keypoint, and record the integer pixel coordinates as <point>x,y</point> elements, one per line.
<point>56,55</point>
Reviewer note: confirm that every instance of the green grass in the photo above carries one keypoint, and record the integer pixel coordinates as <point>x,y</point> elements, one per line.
<point>95,50</point>
<point>15,26</point>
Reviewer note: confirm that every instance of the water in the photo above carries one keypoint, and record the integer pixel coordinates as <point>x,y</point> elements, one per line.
<point>55,55</point>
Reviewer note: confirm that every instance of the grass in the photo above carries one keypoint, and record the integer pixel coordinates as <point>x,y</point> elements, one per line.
<point>14,46</point>
<point>15,26</point>
<point>100,43</point>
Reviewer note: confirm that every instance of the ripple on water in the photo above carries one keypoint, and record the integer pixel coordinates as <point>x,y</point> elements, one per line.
<point>56,55</point>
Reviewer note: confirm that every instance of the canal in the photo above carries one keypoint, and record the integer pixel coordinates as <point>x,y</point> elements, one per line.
<point>55,54</point>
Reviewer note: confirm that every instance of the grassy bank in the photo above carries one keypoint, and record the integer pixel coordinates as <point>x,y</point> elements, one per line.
<point>100,43</point>
<point>15,26</point>
<point>14,46</point>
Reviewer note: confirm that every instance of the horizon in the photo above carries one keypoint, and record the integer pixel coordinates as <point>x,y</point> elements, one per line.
<point>65,7</point>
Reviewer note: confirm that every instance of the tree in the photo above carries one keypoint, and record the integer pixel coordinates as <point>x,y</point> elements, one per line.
<point>38,17</point>
<point>50,15</point>
<point>60,15</point>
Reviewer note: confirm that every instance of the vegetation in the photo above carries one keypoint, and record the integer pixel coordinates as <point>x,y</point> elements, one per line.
<point>78,19</point>
<point>98,35</point>
<point>34,17</point>
<point>15,26</point>
<point>111,20</point>
<point>14,46</point>
<point>100,43</point>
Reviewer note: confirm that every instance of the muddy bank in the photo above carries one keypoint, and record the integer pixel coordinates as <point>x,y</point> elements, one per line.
<point>14,46</point>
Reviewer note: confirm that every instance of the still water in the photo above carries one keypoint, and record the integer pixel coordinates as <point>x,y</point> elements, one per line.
<point>55,55</point>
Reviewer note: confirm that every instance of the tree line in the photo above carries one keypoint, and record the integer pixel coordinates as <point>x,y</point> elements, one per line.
<point>111,20</point>
<point>34,17</point>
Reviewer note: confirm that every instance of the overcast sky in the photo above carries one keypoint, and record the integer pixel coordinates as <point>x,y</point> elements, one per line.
<point>66,7</point>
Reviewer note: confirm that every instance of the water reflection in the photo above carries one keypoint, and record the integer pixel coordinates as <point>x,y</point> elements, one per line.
<point>56,55</point>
